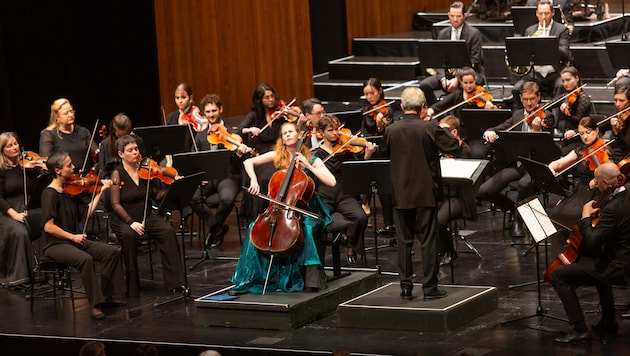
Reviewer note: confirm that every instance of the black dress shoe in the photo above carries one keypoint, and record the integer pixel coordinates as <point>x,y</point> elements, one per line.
<point>218,237</point>
<point>387,229</point>
<point>437,294</point>
<point>406,288</point>
<point>573,337</point>
<point>233,292</point>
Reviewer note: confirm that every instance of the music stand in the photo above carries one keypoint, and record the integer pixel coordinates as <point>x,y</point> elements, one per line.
<point>179,195</point>
<point>443,54</point>
<point>542,177</point>
<point>476,121</point>
<point>525,16</point>
<point>538,146</point>
<point>618,53</point>
<point>370,176</point>
<point>530,51</point>
<point>164,140</point>
<point>214,165</point>
<point>351,119</point>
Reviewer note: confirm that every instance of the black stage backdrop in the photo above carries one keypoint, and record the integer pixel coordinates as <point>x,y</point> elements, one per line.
<point>99,55</point>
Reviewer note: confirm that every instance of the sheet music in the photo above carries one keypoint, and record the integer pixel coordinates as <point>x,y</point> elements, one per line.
<point>459,168</point>
<point>536,219</point>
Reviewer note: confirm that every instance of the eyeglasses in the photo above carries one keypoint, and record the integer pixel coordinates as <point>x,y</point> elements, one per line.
<point>319,113</point>
<point>69,112</point>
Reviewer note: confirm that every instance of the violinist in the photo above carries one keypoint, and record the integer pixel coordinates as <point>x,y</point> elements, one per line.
<point>375,122</point>
<point>413,145</point>
<point>491,189</point>
<point>108,154</point>
<point>576,106</point>
<point>132,219</point>
<point>63,134</point>
<point>466,91</point>
<point>621,146</point>
<point>603,260</point>
<point>313,111</point>
<point>286,275</point>
<point>65,243</point>
<point>187,113</point>
<point>15,250</point>
<point>217,193</point>
<point>335,197</point>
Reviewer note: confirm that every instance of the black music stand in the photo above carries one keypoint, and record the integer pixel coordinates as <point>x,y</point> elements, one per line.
<point>525,16</point>
<point>370,176</point>
<point>351,119</point>
<point>618,53</point>
<point>179,195</point>
<point>476,121</point>
<point>214,165</point>
<point>538,146</point>
<point>443,54</point>
<point>530,51</point>
<point>542,177</point>
<point>164,140</point>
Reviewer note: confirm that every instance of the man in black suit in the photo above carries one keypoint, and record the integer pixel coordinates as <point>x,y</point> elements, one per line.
<point>547,76</point>
<point>565,7</point>
<point>604,257</point>
<point>459,30</point>
<point>413,146</point>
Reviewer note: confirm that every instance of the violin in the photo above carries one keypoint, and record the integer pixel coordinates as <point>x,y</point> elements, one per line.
<point>90,183</point>
<point>32,160</point>
<point>310,129</point>
<point>150,168</point>
<point>288,112</point>
<point>571,99</point>
<point>480,100</point>
<point>595,154</point>
<point>192,116</point>
<point>349,143</point>
<point>537,112</point>
<point>382,108</point>
<point>218,134</point>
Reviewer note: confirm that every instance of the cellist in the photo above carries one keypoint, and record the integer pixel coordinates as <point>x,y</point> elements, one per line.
<point>285,275</point>
<point>603,261</point>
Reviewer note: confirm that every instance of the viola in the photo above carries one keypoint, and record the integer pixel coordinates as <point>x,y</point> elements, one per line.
<point>218,134</point>
<point>192,116</point>
<point>150,168</point>
<point>595,154</point>
<point>32,160</point>
<point>480,100</point>
<point>90,183</point>
<point>277,231</point>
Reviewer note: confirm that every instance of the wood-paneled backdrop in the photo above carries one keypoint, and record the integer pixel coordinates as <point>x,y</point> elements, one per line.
<point>229,47</point>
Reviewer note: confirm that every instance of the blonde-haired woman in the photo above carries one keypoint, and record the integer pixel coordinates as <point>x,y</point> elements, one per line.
<point>62,134</point>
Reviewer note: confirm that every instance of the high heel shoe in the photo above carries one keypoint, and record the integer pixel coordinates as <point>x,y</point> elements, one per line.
<point>352,258</point>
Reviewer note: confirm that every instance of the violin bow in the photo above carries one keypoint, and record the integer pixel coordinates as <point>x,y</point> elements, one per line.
<point>286,206</point>
<point>379,107</point>
<point>283,110</point>
<point>457,105</point>
<point>584,158</point>
<point>24,180</point>
<point>146,198</point>
<point>545,107</point>
<point>342,146</point>
<point>601,121</point>
<point>89,147</point>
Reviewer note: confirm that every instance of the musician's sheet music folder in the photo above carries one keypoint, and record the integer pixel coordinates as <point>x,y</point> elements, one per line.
<point>536,219</point>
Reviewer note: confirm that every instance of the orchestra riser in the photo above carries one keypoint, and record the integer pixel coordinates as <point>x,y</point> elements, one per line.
<point>383,308</point>
<point>279,310</point>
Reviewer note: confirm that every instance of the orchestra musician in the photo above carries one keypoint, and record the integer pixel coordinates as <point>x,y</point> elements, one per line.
<point>107,153</point>
<point>285,275</point>
<point>491,189</point>
<point>413,145</point>
<point>335,197</point>
<point>459,30</point>
<point>187,113</point>
<point>576,106</point>
<point>565,7</point>
<point>603,259</point>
<point>313,111</point>
<point>547,76</point>
<point>65,243</point>
<point>217,193</point>
<point>15,250</point>
<point>132,219</point>
<point>63,134</point>
<point>621,146</point>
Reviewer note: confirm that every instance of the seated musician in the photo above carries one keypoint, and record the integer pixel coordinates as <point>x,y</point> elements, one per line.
<point>459,203</point>
<point>621,146</point>
<point>186,113</point>
<point>107,153</point>
<point>285,273</point>
<point>132,219</point>
<point>313,111</point>
<point>217,193</point>
<point>576,106</point>
<point>333,154</point>
<point>603,257</point>
<point>65,243</point>
<point>491,190</point>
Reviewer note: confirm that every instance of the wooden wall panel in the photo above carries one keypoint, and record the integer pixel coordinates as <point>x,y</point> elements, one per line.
<point>377,17</point>
<point>229,47</point>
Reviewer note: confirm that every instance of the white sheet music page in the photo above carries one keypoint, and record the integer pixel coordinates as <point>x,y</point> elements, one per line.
<point>458,168</point>
<point>536,219</point>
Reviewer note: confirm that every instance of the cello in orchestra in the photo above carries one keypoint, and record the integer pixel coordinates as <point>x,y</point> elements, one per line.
<point>282,239</point>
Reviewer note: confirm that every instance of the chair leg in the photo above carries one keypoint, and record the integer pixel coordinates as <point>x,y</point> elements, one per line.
<point>69,281</point>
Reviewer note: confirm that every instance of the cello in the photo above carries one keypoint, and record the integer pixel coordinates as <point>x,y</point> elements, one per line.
<point>277,231</point>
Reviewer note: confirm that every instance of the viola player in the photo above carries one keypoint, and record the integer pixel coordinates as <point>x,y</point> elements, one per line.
<point>621,146</point>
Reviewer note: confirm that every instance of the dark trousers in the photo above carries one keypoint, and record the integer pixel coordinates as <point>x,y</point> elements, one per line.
<point>565,279</point>
<point>83,257</point>
<point>351,210</point>
<point>162,232</point>
<point>220,194</point>
<point>421,222</point>
<point>491,189</point>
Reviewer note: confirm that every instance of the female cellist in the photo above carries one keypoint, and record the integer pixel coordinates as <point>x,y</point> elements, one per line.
<point>285,275</point>
<point>576,106</point>
<point>14,239</point>
<point>132,219</point>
